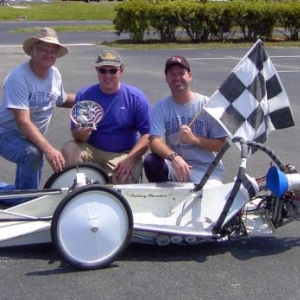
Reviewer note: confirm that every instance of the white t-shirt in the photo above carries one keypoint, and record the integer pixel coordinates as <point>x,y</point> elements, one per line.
<point>24,90</point>
<point>165,122</point>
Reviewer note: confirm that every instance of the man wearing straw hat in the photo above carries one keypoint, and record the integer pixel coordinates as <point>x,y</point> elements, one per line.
<point>183,141</point>
<point>31,92</point>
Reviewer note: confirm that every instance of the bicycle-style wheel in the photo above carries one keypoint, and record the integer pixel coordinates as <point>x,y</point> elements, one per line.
<point>66,177</point>
<point>92,226</point>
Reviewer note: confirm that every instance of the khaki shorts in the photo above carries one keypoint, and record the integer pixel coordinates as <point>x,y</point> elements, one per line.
<point>108,160</point>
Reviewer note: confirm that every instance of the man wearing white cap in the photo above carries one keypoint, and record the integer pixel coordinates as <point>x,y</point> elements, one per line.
<point>31,91</point>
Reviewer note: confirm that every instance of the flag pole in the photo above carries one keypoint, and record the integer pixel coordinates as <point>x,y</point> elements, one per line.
<point>195,118</point>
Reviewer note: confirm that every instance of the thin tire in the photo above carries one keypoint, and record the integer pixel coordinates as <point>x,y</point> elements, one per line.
<point>92,226</point>
<point>66,177</point>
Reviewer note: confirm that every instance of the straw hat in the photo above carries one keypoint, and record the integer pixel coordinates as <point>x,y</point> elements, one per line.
<point>47,35</point>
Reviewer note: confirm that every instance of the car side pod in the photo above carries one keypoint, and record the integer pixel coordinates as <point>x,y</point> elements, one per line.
<point>279,182</point>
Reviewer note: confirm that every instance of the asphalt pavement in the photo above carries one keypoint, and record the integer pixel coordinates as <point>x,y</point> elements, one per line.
<point>253,268</point>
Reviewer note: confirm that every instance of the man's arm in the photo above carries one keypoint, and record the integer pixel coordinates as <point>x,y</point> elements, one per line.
<point>214,145</point>
<point>186,136</point>
<point>139,149</point>
<point>159,147</point>
<point>32,133</point>
<point>70,101</point>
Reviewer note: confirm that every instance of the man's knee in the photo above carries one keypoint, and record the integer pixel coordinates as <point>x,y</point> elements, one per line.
<point>155,168</point>
<point>151,160</point>
<point>68,147</point>
<point>32,153</point>
<point>71,152</point>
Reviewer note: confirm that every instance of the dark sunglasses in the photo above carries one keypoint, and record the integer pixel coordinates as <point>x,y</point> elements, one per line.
<point>110,71</point>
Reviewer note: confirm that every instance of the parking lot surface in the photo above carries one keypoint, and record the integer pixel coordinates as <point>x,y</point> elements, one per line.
<point>261,268</point>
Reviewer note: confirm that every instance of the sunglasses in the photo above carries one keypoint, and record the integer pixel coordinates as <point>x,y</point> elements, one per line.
<point>110,71</point>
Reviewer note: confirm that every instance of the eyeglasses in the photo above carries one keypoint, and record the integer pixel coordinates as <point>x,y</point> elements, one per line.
<point>44,51</point>
<point>110,71</point>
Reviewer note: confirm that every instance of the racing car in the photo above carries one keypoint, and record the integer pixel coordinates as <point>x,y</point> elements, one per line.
<point>91,221</point>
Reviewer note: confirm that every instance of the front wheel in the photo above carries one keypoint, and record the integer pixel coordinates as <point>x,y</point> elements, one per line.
<point>66,177</point>
<point>92,226</point>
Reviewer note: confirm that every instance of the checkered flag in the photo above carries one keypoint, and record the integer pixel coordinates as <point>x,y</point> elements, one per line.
<point>252,101</point>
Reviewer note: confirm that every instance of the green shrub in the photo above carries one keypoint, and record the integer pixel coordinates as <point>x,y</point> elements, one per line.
<point>257,21</point>
<point>193,21</point>
<point>290,19</point>
<point>132,17</point>
<point>163,18</point>
<point>201,20</point>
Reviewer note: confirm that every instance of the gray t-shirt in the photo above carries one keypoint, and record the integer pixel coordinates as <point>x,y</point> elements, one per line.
<point>24,90</point>
<point>165,122</point>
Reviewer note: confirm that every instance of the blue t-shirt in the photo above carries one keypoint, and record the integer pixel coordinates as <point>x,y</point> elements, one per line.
<point>126,115</point>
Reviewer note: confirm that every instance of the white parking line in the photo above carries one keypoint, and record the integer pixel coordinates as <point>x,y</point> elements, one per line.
<point>285,56</point>
<point>68,45</point>
<point>190,59</point>
<point>234,58</point>
<point>239,58</point>
<point>213,58</point>
<point>286,71</point>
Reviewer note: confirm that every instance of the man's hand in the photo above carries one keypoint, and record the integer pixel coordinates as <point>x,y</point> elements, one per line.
<point>123,172</point>
<point>181,169</point>
<point>55,159</point>
<point>82,134</point>
<point>185,135</point>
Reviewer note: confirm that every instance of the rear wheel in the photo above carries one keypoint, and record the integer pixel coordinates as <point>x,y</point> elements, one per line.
<point>66,177</point>
<point>92,226</point>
